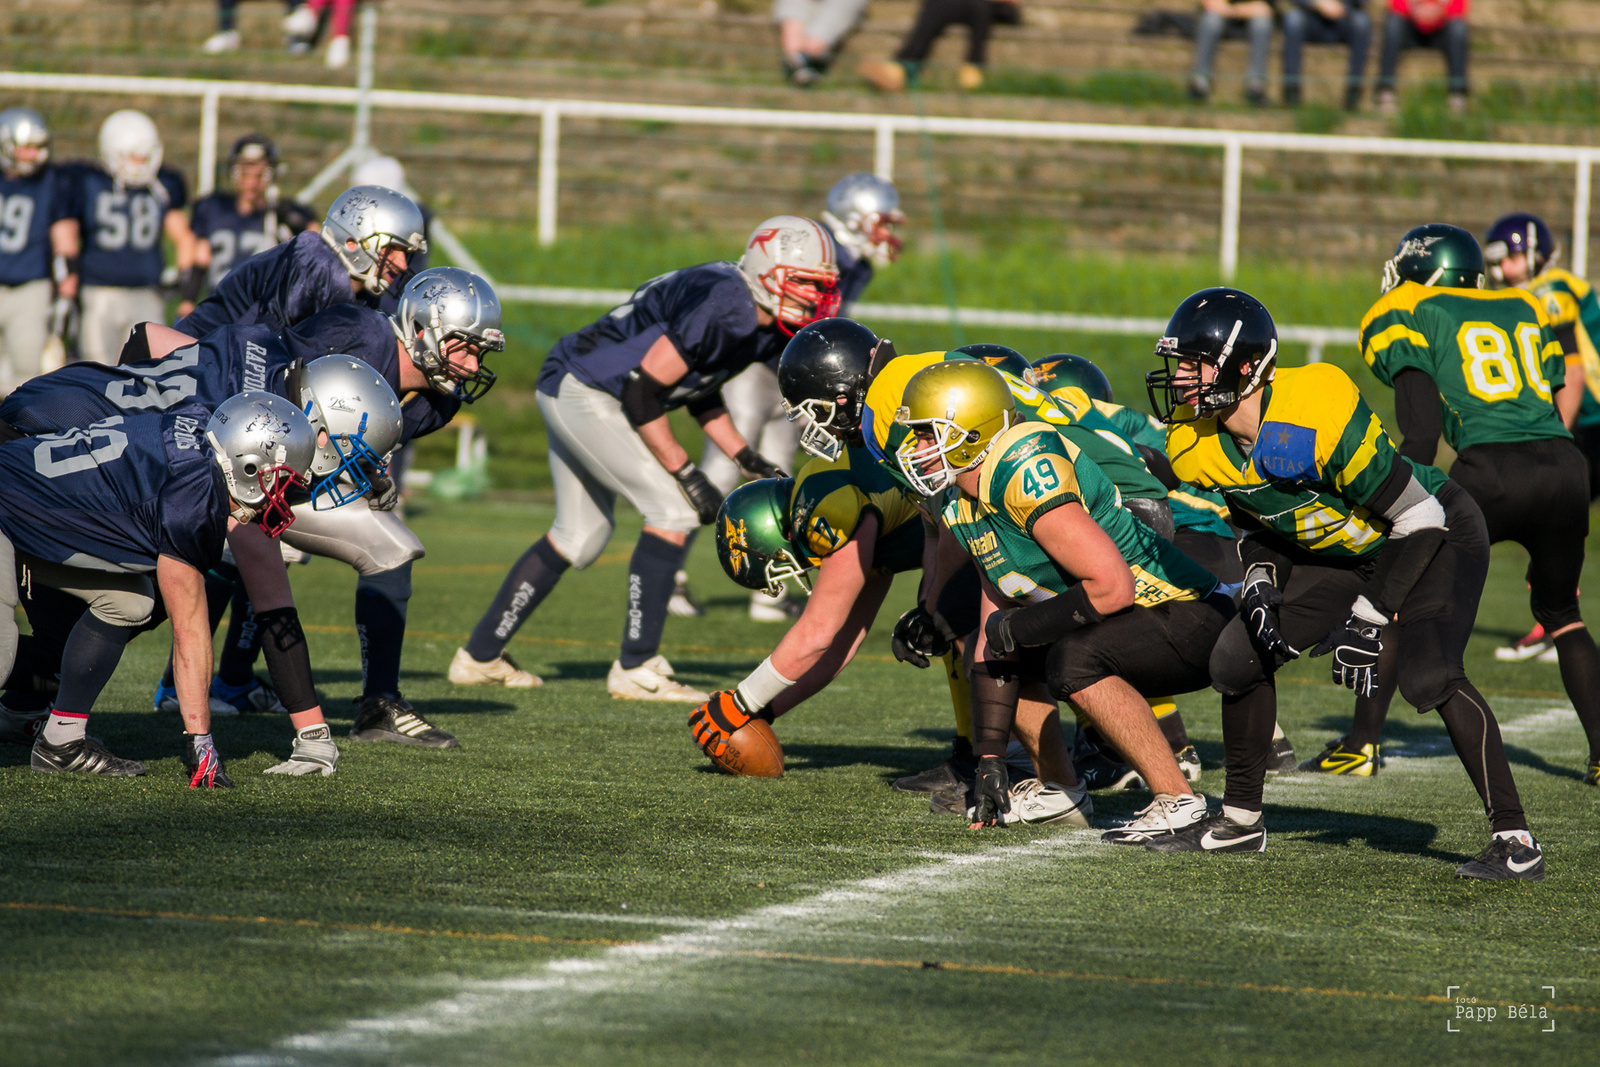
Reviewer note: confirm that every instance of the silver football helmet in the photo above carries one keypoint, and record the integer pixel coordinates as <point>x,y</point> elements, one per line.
<point>21,127</point>
<point>862,212</point>
<point>350,402</point>
<point>365,220</point>
<point>130,148</point>
<point>444,304</point>
<point>792,269</point>
<point>264,446</point>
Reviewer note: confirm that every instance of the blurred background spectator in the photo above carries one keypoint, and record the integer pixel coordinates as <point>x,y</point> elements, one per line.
<point>1440,24</point>
<point>303,22</point>
<point>35,227</point>
<point>1325,22</point>
<point>1216,14</point>
<point>810,31</point>
<point>933,18</point>
<point>226,39</point>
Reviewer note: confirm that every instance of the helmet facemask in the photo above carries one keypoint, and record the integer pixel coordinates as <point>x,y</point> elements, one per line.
<point>819,436</point>
<point>1171,388</point>
<point>355,464</point>
<point>950,440</point>
<point>431,353</point>
<point>795,304</point>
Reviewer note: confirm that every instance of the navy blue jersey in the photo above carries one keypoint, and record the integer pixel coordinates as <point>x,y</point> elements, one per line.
<point>707,313</point>
<point>286,284</point>
<point>234,237</point>
<point>369,336</point>
<point>193,380</point>
<point>855,272</point>
<point>117,494</point>
<point>122,227</point>
<point>28,206</point>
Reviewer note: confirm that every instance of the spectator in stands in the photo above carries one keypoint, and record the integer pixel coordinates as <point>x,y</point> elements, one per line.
<point>1440,24</point>
<point>302,23</point>
<point>1214,17</point>
<point>934,17</point>
<point>1325,22</point>
<point>226,39</point>
<point>810,31</point>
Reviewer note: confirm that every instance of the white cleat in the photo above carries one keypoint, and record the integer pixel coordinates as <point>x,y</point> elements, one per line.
<point>682,603</point>
<point>764,608</point>
<point>1035,803</point>
<point>464,670</point>
<point>1167,814</point>
<point>222,41</point>
<point>338,53</point>
<point>651,680</point>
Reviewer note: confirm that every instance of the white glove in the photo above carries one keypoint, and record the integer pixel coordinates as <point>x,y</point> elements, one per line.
<point>314,751</point>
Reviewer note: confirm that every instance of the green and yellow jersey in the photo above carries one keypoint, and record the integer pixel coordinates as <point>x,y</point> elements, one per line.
<point>829,499</point>
<point>1569,300</point>
<point>1320,456</point>
<point>1032,469</point>
<point>1491,353</point>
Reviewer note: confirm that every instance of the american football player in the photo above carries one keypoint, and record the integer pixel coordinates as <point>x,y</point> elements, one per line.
<point>122,208</point>
<point>37,235</point>
<point>605,392</point>
<point>1344,535</point>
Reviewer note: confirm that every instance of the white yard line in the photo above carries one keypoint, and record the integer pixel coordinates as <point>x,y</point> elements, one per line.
<point>557,987</point>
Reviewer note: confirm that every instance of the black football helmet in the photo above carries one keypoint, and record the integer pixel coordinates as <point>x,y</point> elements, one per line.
<point>1436,253</point>
<point>823,376</point>
<point>1062,370</point>
<point>1519,232</point>
<point>1225,328</point>
<point>1000,358</point>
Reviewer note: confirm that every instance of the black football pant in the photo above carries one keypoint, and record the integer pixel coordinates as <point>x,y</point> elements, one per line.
<point>936,16</point>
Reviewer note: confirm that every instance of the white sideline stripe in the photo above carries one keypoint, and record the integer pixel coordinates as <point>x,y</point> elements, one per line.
<point>583,916</point>
<point>555,986</point>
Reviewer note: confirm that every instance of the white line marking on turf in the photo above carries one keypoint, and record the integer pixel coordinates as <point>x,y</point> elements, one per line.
<point>558,985</point>
<point>582,916</point>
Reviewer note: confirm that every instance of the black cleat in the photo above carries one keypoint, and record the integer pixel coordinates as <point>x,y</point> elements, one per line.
<point>1506,859</point>
<point>951,801</point>
<point>1216,833</point>
<point>1096,771</point>
<point>1593,777</point>
<point>954,773</point>
<point>83,756</point>
<point>1282,760</point>
<point>393,719</point>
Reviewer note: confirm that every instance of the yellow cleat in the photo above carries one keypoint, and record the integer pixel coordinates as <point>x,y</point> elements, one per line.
<point>1336,759</point>
<point>1593,777</point>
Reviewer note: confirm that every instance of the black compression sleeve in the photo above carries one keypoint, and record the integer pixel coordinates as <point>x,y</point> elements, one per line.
<point>288,661</point>
<point>1568,336</point>
<point>700,407</point>
<point>995,685</point>
<point>1044,622</point>
<point>1401,562</point>
<point>1416,410</point>
<point>641,398</point>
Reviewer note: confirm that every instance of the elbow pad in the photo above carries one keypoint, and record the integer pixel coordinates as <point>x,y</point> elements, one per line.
<point>641,398</point>
<point>1048,620</point>
<point>189,284</point>
<point>700,407</point>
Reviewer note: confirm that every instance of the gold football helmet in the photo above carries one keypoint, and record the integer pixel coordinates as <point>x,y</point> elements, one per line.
<point>954,410</point>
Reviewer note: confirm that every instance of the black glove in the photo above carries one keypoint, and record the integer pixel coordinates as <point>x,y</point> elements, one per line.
<point>699,492</point>
<point>755,465</point>
<point>918,636</point>
<point>991,793</point>
<point>385,492</point>
<point>998,631</point>
<point>1258,605</point>
<point>1355,644</point>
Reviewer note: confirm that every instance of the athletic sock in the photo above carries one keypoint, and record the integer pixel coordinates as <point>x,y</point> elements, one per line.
<point>1476,737</point>
<point>381,601</point>
<point>1580,675</point>
<point>650,578</point>
<point>65,727</point>
<point>237,664</point>
<point>1241,816</point>
<point>1366,728</point>
<point>529,582</point>
<point>1172,727</point>
<point>1248,722</point>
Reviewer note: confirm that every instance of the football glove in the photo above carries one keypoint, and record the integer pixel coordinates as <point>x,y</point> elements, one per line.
<point>1356,644</point>
<point>718,719</point>
<point>204,763</point>
<point>314,753</point>
<point>991,794</point>
<point>699,492</point>
<point>385,492</point>
<point>919,635</point>
<point>1258,604</point>
<point>755,465</point>
<point>998,631</point>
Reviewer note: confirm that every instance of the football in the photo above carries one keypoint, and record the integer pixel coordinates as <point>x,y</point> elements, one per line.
<point>753,751</point>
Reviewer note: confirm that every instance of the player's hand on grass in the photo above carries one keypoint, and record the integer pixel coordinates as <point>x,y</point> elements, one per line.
<point>204,763</point>
<point>919,635</point>
<point>314,753</point>
<point>699,492</point>
<point>998,631</point>
<point>1356,644</point>
<point>718,719</point>
<point>755,465</point>
<point>1258,604</point>
<point>991,794</point>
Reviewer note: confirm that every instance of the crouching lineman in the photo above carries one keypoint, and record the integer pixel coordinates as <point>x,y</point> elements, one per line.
<point>605,393</point>
<point>1345,535</point>
<point>96,512</point>
<point>1076,591</point>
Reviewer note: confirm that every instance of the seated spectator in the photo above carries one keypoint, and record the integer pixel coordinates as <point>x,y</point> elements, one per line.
<point>302,24</point>
<point>1325,22</point>
<point>1440,24</point>
<point>934,17</point>
<point>1257,15</point>
<point>810,32</point>
<point>226,39</point>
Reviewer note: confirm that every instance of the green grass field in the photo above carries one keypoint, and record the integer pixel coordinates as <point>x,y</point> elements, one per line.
<point>575,885</point>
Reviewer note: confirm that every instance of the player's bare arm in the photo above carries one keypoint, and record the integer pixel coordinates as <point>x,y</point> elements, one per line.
<point>183,589</point>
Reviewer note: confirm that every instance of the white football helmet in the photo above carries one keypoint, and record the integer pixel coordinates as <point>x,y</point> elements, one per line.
<point>365,220</point>
<point>19,128</point>
<point>443,304</point>
<point>380,170</point>
<point>350,402</point>
<point>264,446</point>
<point>792,268</point>
<point>862,212</point>
<point>130,148</point>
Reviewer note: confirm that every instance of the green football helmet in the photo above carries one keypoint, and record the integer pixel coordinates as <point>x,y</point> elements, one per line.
<point>752,537</point>
<point>1062,371</point>
<point>999,357</point>
<point>1436,253</point>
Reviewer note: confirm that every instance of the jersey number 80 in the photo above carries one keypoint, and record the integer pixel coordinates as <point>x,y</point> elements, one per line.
<point>1488,366</point>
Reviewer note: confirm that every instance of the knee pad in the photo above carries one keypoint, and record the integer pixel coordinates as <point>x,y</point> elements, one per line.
<point>1426,685</point>
<point>580,548</point>
<point>1236,666</point>
<point>128,609</point>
